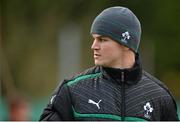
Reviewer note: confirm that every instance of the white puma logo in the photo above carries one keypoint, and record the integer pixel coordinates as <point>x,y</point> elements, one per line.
<point>97,104</point>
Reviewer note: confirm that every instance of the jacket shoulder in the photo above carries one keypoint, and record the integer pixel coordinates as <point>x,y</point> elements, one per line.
<point>157,82</point>
<point>88,73</point>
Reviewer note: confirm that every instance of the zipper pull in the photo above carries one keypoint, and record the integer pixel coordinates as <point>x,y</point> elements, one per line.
<point>122,76</point>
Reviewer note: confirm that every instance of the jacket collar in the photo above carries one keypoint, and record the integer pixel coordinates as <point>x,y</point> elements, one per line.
<point>130,76</point>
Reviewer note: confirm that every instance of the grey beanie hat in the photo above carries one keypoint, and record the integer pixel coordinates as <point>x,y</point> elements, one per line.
<point>120,24</point>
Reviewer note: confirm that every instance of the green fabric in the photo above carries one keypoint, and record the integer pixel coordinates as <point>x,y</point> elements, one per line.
<point>105,116</point>
<point>134,119</point>
<point>82,78</point>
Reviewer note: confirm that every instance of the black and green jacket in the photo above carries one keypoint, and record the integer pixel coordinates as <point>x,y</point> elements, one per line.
<point>102,93</point>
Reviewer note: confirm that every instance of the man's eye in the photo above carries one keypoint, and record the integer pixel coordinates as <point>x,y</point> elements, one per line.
<point>103,40</point>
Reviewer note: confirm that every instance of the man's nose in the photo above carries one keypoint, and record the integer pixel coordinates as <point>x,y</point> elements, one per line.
<point>95,45</point>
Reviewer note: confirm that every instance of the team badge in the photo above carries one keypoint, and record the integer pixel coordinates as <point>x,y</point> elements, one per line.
<point>125,36</point>
<point>148,109</point>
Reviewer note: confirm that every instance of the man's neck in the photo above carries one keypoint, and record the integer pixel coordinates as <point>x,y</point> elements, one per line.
<point>127,61</point>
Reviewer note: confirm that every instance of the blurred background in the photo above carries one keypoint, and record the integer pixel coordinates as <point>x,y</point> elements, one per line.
<point>44,41</point>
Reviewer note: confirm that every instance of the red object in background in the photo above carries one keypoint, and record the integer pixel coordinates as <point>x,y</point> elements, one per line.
<point>19,110</point>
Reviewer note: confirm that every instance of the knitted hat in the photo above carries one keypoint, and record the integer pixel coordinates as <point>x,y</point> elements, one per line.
<point>120,24</point>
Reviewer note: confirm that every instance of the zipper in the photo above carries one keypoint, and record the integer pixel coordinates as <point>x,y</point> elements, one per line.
<point>122,96</point>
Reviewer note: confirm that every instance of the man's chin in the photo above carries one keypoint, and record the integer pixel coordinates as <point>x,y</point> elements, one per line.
<point>101,64</point>
<point>98,64</point>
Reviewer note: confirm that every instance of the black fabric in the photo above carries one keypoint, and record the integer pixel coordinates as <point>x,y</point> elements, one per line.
<point>131,76</point>
<point>61,108</point>
<point>74,101</point>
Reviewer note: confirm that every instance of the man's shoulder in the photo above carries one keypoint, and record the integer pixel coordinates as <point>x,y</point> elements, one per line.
<point>88,73</point>
<point>153,79</point>
<point>157,83</point>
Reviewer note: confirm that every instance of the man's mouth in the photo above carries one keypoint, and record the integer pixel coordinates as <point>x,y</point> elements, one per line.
<point>96,55</point>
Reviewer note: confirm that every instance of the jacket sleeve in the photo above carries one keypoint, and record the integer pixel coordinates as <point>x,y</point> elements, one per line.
<point>170,110</point>
<point>60,107</point>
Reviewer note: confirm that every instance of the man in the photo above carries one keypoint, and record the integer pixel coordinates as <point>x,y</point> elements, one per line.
<point>116,88</point>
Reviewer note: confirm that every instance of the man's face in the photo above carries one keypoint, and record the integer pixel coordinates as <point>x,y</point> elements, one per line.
<point>107,52</point>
